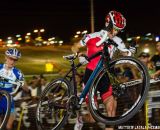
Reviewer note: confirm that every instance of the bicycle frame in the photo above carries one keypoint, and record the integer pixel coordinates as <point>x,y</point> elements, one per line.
<point>89,82</point>
<point>103,62</point>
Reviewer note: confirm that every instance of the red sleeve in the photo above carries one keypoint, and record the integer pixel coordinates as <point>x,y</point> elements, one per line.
<point>92,41</point>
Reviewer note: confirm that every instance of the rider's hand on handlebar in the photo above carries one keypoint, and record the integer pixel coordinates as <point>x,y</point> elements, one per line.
<point>133,47</point>
<point>21,83</point>
<point>133,50</point>
<point>83,60</point>
<point>81,54</point>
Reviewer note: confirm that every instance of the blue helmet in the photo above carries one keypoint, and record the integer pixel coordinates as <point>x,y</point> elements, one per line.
<point>13,52</point>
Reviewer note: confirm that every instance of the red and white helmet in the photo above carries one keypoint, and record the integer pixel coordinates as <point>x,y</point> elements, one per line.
<point>117,19</point>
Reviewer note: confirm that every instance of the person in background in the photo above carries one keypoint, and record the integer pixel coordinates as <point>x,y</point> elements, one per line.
<point>43,83</point>
<point>9,71</point>
<point>156,61</point>
<point>145,58</point>
<point>23,93</point>
<point>37,85</point>
<point>33,86</point>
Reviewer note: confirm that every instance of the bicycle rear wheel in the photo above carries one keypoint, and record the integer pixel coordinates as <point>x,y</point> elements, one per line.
<point>131,90</point>
<point>52,107</point>
<point>5,107</point>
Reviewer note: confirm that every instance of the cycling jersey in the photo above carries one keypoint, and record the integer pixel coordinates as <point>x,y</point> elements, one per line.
<point>90,41</point>
<point>13,74</point>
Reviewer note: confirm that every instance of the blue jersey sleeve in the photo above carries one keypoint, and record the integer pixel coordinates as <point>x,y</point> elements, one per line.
<point>18,74</point>
<point>1,66</point>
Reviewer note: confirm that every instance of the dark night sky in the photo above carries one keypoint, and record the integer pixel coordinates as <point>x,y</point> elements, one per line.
<point>64,17</point>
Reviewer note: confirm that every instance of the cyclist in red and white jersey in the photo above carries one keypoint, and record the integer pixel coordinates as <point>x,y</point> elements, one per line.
<point>114,23</point>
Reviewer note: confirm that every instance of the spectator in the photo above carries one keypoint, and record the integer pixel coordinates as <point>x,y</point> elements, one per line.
<point>156,61</point>
<point>42,83</point>
<point>33,86</point>
<point>37,85</point>
<point>25,92</point>
<point>145,58</point>
<point>128,74</point>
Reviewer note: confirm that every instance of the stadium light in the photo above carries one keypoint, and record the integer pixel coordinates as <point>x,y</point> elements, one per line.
<point>9,38</point>
<point>35,31</point>
<point>148,34</point>
<point>42,30</point>
<point>28,34</point>
<point>18,35</point>
<point>78,32</point>
<point>129,39</point>
<point>9,41</point>
<point>76,36</point>
<point>138,37</point>
<point>157,38</point>
<point>84,32</point>
<point>146,50</point>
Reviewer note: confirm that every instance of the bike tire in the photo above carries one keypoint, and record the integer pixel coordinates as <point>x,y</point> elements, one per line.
<point>54,85</point>
<point>123,118</point>
<point>7,112</point>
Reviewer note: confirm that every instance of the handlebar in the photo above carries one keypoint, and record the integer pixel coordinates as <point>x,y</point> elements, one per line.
<point>74,56</point>
<point>17,83</point>
<point>90,58</point>
<point>71,57</point>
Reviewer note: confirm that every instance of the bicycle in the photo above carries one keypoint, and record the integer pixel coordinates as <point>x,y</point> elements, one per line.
<point>59,100</point>
<point>5,100</point>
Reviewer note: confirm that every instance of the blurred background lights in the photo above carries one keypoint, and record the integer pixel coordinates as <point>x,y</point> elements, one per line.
<point>157,38</point>
<point>146,50</point>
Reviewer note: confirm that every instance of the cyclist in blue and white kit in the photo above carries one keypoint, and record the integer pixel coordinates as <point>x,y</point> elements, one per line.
<point>9,71</point>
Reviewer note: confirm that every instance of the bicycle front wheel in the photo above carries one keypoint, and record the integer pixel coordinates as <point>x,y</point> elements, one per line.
<point>5,107</point>
<point>52,107</point>
<point>130,90</point>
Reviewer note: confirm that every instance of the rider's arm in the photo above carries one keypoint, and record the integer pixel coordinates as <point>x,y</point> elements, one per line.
<point>152,66</point>
<point>25,87</point>
<point>121,46</point>
<point>20,78</point>
<point>75,48</point>
<point>155,75</point>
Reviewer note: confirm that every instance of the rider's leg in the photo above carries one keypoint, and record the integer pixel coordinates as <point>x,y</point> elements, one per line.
<point>110,105</point>
<point>12,117</point>
<point>88,117</point>
<point>10,122</point>
<point>84,118</point>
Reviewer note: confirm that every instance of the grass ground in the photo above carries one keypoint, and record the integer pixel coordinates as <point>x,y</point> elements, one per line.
<point>34,59</point>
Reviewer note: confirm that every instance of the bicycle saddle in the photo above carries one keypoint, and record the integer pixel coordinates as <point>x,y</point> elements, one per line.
<point>69,57</point>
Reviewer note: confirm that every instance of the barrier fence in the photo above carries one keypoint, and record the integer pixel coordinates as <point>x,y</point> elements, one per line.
<point>147,118</point>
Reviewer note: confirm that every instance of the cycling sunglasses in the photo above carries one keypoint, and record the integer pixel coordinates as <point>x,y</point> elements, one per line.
<point>12,59</point>
<point>117,29</point>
